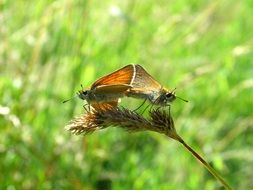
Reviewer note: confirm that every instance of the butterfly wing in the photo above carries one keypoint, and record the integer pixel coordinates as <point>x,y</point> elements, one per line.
<point>143,80</point>
<point>121,76</point>
<point>115,89</point>
<point>105,106</point>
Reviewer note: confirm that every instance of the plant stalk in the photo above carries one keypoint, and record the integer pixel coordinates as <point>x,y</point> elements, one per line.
<point>208,167</point>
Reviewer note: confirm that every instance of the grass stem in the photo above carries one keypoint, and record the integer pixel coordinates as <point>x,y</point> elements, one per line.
<point>208,167</point>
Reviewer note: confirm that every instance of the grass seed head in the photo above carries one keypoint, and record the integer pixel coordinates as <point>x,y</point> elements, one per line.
<point>159,121</point>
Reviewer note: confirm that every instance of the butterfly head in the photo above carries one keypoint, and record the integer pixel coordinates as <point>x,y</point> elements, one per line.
<point>83,94</point>
<point>170,96</point>
<point>165,97</point>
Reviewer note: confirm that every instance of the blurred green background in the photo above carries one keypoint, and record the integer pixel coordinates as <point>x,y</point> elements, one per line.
<point>48,48</point>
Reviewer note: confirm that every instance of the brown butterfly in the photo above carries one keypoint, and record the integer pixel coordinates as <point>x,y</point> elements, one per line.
<point>106,91</point>
<point>144,86</point>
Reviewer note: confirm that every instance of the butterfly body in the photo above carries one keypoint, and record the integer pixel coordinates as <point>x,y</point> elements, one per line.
<point>97,95</point>
<point>160,97</point>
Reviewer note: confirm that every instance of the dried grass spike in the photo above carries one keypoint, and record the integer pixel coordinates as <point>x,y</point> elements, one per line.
<point>121,117</point>
<point>84,124</point>
<point>164,123</point>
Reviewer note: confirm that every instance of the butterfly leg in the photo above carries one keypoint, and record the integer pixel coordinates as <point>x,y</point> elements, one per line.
<point>140,105</point>
<point>84,106</point>
<point>168,105</point>
<point>145,109</point>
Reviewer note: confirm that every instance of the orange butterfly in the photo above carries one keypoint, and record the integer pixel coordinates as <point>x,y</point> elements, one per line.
<point>144,86</point>
<point>106,91</point>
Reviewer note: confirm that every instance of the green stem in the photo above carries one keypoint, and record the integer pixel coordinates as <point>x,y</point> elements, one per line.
<point>208,167</point>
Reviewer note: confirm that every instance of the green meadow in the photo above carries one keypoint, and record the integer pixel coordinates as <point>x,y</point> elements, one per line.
<point>49,48</point>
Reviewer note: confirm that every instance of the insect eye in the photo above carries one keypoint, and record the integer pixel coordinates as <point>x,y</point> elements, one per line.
<point>168,95</point>
<point>85,92</point>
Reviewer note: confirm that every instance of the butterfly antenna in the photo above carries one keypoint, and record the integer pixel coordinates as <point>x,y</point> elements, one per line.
<point>77,94</point>
<point>182,99</point>
<point>173,91</point>
<point>70,99</point>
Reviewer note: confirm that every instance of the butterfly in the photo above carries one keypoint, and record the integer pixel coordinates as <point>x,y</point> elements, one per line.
<point>107,90</point>
<point>144,86</point>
